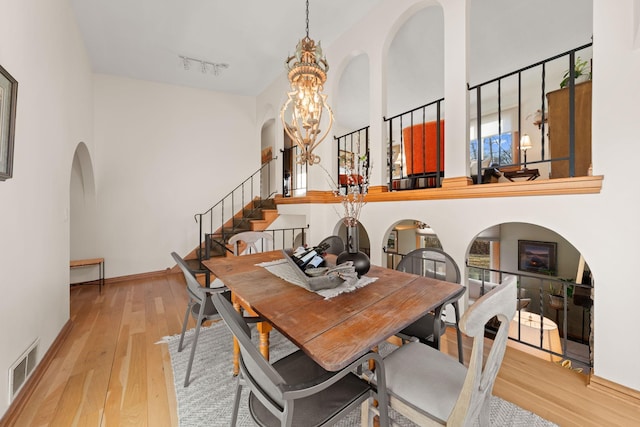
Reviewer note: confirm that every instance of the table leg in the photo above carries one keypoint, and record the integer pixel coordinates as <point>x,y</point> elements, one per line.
<point>264,328</point>
<point>101,285</point>
<point>236,346</point>
<point>372,363</point>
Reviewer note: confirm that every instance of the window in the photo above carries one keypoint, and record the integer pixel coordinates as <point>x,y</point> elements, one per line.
<point>499,143</point>
<point>498,148</point>
<point>484,254</point>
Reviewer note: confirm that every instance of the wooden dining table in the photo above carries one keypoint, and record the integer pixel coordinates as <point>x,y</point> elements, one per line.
<point>333,332</point>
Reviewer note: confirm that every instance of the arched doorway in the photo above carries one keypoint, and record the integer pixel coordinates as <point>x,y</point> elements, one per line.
<point>82,212</point>
<point>405,236</point>
<point>554,280</point>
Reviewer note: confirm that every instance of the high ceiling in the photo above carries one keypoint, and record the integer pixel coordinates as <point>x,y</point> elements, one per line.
<point>144,39</point>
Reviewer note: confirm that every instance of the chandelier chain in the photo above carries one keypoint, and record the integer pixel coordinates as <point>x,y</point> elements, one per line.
<point>307,18</point>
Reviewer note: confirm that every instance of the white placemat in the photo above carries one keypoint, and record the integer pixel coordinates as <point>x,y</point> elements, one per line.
<point>283,270</point>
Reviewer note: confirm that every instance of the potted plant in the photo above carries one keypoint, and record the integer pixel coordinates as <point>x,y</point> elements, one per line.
<point>581,71</point>
<point>556,293</point>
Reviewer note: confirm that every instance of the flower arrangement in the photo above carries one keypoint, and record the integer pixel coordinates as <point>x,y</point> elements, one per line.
<point>559,290</point>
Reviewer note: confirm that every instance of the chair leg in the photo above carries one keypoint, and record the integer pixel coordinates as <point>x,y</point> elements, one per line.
<point>184,327</point>
<point>437,323</point>
<point>456,309</point>
<point>236,401</point>
<point>365,413</point>
<point>195,342</point>
<point>484,417</point>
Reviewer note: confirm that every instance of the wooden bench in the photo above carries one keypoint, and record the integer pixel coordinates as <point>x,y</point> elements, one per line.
<point>89,262</point>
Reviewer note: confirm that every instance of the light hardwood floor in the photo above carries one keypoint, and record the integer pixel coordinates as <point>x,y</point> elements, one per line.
<point>110,371</point>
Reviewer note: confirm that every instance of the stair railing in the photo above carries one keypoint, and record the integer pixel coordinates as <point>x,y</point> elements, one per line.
<point>285,238</point>
<point>246,198</point>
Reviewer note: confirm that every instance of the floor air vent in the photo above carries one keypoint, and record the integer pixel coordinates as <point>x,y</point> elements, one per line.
<point>20,371</point>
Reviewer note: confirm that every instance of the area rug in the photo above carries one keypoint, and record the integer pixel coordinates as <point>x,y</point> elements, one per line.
<point>208,399</point>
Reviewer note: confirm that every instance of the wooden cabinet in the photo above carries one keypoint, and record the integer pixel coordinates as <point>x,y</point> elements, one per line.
<point>558,122</point>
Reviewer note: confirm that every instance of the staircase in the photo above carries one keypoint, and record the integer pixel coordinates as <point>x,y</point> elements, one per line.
<point>244,208</point>
<point>256,216</point>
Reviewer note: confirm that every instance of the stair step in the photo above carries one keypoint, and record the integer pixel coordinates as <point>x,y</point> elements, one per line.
<point>252,213</point>
<point>240,221</point>
<point>264,203</point>
<point>259,224</point>
<point>264,212</point>
<point>270,214</point>
<point>228,232</point>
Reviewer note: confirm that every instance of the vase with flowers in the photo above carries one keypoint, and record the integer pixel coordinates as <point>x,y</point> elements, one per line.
<point>352,198</point>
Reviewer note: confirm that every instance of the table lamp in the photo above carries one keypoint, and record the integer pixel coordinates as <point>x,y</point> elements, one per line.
<point>525,144</point>
<point>529,329</point>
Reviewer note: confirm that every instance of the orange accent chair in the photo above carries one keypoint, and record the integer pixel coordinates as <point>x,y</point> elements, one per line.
<point>420,148</point>
<point>352,179</point>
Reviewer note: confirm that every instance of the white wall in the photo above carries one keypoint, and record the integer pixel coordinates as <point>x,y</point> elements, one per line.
<point>603,227</point>
<point>615,153</point>
<point>41,47</point>
<point>165,154</point>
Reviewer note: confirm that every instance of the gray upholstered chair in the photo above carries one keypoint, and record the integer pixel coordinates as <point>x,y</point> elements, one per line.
<point>200,306</point>
<point>437,264</point>
<point>295,391</point>
<point>431,388</point>
<point>252,239</point>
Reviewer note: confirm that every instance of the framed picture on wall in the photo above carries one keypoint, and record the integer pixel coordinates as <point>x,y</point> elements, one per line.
<point>392,242</point>
<point>8,95</point>
<point>538,257</point>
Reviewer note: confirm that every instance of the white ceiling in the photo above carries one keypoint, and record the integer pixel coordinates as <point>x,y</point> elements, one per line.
<point>143,39</point>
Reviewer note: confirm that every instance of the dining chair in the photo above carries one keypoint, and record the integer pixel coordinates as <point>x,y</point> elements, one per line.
<point>251,239</point>
<point>431,388</point>
<point>437,264</point>
<point>200,306</point>
<point>196,268</point>
<point>296,391</point>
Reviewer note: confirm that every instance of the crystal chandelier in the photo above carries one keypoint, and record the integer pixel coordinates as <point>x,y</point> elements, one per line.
<point>306,103</point>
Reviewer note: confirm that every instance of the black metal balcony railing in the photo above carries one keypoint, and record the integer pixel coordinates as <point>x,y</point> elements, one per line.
<point>414,158</point>
<point>294,175</point>
<point>502,99</point>
<point>552,299</point>
<point>351,146</point>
